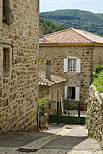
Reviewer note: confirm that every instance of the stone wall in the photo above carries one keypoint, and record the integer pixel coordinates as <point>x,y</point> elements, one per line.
<point>97,56</point>
<point>57,54</point>
<point>19,90</point>
<point>43,121</point>
<point>53,93</point>
<point>95,114</point>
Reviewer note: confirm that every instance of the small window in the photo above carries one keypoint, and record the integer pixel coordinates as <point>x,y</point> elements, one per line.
<point>6,62</point>
<point>71,65</point>
<point>72,93</point>
<point>7,13</point>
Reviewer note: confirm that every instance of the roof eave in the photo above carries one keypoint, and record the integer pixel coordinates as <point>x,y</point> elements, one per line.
<point>53,84</point>
<point>71,44</point>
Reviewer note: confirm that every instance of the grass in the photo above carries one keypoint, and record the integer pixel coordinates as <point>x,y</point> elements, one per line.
<point>98,82</point>
<point>90,133</point>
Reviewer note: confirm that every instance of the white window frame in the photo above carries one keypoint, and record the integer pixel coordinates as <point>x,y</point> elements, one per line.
<point>78,64</point>
<point>77,93</point>
<point>72,67</point>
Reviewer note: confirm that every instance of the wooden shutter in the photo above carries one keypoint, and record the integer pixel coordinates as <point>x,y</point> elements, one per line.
<point>6,61</point>
<point>77,93</point>
<point>7,13</point>
<point>78,65</point>
<point>65,65</point>
<point>66,92</point>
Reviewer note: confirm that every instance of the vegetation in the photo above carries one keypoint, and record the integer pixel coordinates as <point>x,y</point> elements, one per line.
<point>50,27</point>
<point>90,133</point>
<point>98,69</point>
<point>98,82</point>
<point>42,103</point>
<point>62,19</point>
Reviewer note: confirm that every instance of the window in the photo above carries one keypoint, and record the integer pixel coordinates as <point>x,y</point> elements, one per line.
<point>6,62</point>
<point>72,93</point>
<point>7,13</point>
<point>72,65</point>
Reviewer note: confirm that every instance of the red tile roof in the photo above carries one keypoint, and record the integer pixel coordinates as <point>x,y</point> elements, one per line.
<point>71,36</point>
<point>54,80</point>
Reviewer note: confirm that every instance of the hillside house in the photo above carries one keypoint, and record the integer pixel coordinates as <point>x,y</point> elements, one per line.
<point>19,26</point>
<point>73,54</point>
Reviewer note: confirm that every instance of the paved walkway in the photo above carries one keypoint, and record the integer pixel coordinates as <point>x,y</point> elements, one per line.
<point>59,139</point>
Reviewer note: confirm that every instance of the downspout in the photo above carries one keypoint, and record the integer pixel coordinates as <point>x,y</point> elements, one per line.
<point>92,65</point>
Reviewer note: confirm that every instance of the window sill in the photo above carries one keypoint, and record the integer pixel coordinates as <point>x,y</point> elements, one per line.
<point>72,71</point>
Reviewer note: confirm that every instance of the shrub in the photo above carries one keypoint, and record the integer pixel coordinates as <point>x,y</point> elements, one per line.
<point>98,82</point>
<point>42,102</point>
<point>98,69</point>
<point>90,133</point>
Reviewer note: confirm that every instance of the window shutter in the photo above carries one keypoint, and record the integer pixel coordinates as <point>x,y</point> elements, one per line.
<point>7,13</point>
<point>6,61</point>
<point>77,93</point>
<point>65,65</point>
<point>78,65</point>
<point>66,92</point>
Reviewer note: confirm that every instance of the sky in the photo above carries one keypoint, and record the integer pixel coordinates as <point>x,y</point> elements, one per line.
<point>95,6</point>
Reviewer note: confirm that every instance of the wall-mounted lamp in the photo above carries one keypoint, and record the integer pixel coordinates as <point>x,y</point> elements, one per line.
<point>82,83</point>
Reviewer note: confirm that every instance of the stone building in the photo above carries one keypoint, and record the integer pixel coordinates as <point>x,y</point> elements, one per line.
<point>73,54</point>
<point>52,87</point>
<point>19,26</point>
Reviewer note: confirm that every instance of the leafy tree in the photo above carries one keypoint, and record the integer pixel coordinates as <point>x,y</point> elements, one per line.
<point>62,19</point>
<point>50,27</point>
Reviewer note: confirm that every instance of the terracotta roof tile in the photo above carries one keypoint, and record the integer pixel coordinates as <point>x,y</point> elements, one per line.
<point>71,36</point>
<point>54,80</point>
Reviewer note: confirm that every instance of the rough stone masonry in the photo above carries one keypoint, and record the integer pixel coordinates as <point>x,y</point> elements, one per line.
<point>19,26</point>
<point>95,114</point>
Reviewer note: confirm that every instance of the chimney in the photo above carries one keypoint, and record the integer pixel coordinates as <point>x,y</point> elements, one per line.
<point>48,70</point>
<point>41,30</point>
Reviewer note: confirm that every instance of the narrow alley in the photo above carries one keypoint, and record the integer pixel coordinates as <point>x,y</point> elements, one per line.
<point>58,139</point>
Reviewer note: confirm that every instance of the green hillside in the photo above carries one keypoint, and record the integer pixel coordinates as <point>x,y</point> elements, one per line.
<point>85,20</point>
<point>50,27</point>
